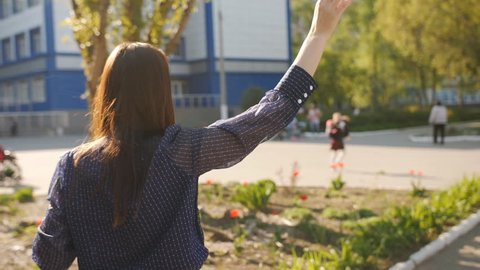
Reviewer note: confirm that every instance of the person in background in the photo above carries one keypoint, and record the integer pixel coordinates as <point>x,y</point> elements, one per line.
<point>337,131</point>
<point>13,128</point>
<point>438,118</point>
<point>314,115</point>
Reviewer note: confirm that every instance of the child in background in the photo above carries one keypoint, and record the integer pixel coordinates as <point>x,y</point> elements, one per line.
<point>337,131</point>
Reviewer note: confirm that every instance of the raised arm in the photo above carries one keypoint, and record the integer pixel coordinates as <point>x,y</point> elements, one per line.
<point>325,19</point>
<point>226,142</point>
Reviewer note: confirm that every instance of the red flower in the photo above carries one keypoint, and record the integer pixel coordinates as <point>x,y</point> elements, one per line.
<point>420,173</point>
<point>209,182</point>
<point>245,183</point>
<point>39,222</point>
<point>296,173</point>
<point>234,213</point>
<point>303,197</point>
<point>275,212</point>
<point>411,172</point>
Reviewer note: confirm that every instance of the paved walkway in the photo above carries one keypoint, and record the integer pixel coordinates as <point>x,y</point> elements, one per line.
<point>461,254</point>
<point>373,160</point>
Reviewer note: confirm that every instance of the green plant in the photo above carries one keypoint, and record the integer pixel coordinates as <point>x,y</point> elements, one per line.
<point>212,191</point>
<point>254,196</point>
<point>337,183</point>
<point>298,213</point>
<point>401,118</point>
<point>402,227</point>
<point>344,259</point>
<point>24,195</point>
<point>339,214</point>
<point>315,232</point>
<point>418,190</point>
<point>238,242</point>
<point>6,199</point>
<point>251,96</point>
<point>25,228</point>
<point>8,171</point>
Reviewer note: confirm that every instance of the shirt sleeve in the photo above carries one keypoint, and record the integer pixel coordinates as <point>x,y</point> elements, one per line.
<point>226,142</point>
<point>52,246</point>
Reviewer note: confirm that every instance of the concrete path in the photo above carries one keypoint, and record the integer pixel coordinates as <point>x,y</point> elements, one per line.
<point>461,254</point>
<point>373,160</point>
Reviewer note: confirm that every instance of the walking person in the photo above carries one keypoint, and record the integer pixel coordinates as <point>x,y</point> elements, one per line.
<point>438,118</point>
<point>314,115</point>
<point>337,130</point>
<point>128,198</point>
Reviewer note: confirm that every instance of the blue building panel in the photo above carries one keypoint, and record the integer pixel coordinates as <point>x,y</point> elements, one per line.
<point>65,89</point>
<point>64,86</point>
<point>200,84</point>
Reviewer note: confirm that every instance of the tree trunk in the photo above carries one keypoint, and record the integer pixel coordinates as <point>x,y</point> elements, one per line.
<point>374,82</point>
<point>99,53</point>
<point>133,20</point>
<point>434,86</point>
<point>423,87</point>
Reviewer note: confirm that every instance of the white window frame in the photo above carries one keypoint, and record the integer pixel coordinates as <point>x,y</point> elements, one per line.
<point>37,89</point>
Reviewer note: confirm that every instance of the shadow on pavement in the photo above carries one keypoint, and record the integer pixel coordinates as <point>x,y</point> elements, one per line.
<point>42,142</point>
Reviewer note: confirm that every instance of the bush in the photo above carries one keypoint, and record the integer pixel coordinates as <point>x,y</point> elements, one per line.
<point>337,183</point>
<point>333,213</point>
<point>314,231</point>
<point>6,199</point>
<point>255,196</point>
<point>24,195</point>
<point>418,190</point>
<point>342,259</point>
<point>399,229</point>
<point>298,213</point>
<point>393,119</point>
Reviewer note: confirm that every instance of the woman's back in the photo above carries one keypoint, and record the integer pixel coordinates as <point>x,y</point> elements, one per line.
<point>159,229</point>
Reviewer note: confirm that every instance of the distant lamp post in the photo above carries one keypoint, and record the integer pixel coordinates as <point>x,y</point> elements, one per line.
<point>223,83</point>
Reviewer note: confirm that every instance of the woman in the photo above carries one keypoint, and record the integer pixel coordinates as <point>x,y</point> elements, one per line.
<point>128,199</point>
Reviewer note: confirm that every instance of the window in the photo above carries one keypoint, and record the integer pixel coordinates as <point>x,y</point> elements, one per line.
<point>179,88</point>
<point>21,46</point>
<point>22,92</point>
<point>32,3</point>
<point>179,50</point>
<point>4,8</point>
<point>2,96</point>
<point>35,41</point>
<point>19,5</point>
<point>38,90</point>
<point>7,95</point>
<point>7,50</point>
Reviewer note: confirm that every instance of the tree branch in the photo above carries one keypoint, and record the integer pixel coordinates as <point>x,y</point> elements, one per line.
<point>173,43</point>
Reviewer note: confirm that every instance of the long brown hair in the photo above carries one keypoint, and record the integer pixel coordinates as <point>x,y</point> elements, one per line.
<point>133,98</point>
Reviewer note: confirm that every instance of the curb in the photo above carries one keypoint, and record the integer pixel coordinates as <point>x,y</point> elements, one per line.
<point>460,138</point>
<point>436,246</point>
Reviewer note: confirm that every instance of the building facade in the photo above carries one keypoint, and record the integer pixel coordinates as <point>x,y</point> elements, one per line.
<point>42,81</point>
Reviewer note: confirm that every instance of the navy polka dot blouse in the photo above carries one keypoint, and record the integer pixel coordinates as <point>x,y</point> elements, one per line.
<point>164,232</point>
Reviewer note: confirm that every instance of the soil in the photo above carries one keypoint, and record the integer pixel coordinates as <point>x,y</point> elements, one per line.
<point>268,236</point>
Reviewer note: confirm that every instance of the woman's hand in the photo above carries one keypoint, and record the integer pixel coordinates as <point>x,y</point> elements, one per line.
<point>326,16</point>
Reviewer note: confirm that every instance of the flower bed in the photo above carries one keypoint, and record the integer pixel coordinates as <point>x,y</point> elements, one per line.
<point>251,225</point>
